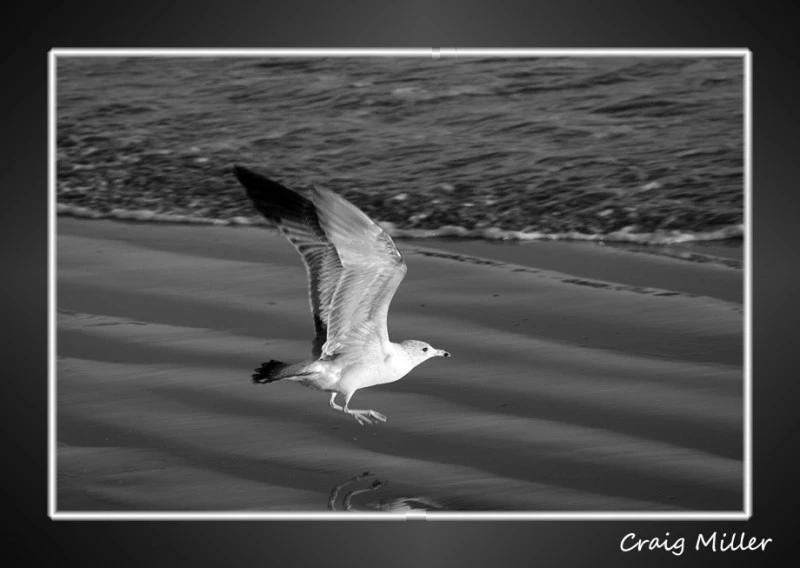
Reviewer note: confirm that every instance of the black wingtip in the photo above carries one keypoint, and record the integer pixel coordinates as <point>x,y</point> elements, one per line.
<point>244,175</point>
<point>273,200</point>
<point>255,183</point>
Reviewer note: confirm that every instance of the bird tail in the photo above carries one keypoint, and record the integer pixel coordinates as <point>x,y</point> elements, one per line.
<point>272,371</point>
<point>269,372</point>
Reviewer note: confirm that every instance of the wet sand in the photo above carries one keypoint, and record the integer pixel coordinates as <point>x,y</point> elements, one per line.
<point>581,380</point>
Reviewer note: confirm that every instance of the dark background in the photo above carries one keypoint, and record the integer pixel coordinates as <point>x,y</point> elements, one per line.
<point>29,30</point>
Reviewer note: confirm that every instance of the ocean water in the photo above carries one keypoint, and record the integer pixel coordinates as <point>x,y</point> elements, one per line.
<point>637,149</point>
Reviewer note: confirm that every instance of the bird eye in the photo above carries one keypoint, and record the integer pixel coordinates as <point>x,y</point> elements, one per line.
<point>424,348</point>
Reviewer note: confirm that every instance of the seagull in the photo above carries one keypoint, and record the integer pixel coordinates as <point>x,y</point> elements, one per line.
<point>353,269</point>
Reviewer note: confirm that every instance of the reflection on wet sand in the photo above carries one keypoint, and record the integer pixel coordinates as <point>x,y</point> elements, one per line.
<point>390,505</point>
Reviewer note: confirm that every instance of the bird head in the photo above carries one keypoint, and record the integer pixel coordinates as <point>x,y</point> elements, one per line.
<point>419,351</point>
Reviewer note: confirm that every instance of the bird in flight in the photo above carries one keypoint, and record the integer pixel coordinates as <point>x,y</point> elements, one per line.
<point>353,271</point>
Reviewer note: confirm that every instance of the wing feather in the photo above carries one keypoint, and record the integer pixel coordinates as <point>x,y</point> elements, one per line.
<point>297,219</point>
<point>354,267</point>
<point>372,271</point>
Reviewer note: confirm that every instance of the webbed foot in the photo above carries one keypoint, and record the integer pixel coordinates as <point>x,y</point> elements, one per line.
<point>365,417</point>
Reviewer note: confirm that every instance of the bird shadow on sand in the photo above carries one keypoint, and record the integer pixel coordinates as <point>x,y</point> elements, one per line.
<point>341,497</point>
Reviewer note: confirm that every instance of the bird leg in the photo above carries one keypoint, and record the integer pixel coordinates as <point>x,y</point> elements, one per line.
<point>333,402</point>
<point>362,416</point>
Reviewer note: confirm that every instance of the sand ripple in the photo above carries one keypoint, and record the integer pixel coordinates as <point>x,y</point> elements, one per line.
<point>559,397</point>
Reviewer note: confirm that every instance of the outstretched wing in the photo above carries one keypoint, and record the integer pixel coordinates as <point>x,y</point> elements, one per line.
<point>372,269</point>
<point>297,219</point>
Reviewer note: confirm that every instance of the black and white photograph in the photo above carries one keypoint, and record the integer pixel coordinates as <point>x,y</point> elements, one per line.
<point>465,284</point>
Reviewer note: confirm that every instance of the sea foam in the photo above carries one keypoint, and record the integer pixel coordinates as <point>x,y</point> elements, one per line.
<point>625,235</point>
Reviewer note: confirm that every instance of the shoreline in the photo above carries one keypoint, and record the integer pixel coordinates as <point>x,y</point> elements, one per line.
<point>623,236</point>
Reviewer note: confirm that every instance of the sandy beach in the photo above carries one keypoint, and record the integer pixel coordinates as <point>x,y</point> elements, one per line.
<point>588,386</point>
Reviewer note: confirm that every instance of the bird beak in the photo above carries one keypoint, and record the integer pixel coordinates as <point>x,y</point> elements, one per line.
<point>442,353</point>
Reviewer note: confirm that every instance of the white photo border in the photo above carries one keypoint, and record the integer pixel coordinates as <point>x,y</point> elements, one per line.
<point>435,53</point>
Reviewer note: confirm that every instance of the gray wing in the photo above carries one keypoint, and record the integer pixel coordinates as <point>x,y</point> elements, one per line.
<point>372,269</point>
<point>297,219</point>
